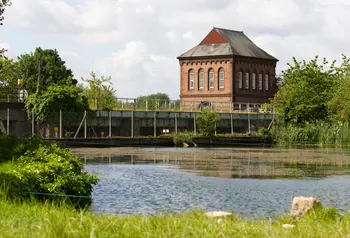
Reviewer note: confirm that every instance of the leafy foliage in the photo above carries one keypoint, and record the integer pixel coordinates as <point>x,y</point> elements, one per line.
<point>8,79</point>
<point>42,69</point>
<point>56,98</point>
<point>184,137</point>
<point>100,93</point>
<point>153,101</point>
<point>305,90</point>
<point>43,167</point>
<point>206,122</point>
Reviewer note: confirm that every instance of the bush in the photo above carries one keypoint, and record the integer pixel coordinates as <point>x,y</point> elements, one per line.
<point>46,169</point>
<point>184,137</point>
<point>206,122</point>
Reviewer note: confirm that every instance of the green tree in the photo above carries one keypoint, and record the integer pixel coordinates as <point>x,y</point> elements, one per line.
<point>159,100</point>
<point>100,93</point>
<point>42,69</point>
<point>206,122</point>
<point>3,4</point>
<point>305,89</point>
<point>339,105</point>
<point>56,98</point>
<point>8,79</point>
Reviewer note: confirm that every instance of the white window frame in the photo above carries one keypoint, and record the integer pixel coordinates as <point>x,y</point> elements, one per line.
<point>260,86</point>
<point>191,80</point>
<point>253,81</point>
<point>266,82</point>
<point>240,79</point>
<point>247,81</point>
<point>201,79</point>
<point>221,79</point>
<point>211,79</point>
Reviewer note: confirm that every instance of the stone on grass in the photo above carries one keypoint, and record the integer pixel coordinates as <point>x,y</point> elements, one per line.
<point>302,205</point>
<point>218,214</point>
<point>288,226</point>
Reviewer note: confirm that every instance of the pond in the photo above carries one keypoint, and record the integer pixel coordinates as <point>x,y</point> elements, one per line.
<point>251,182</point>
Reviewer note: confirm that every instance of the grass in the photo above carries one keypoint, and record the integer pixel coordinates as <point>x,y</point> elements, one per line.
<point>47,220</point>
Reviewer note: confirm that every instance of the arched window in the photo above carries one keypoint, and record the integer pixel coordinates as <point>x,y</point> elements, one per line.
<point>247,81</point>
<point>253,81</point>
<point>260,81</point>
<point>191,79</point>
<point>240,79</point>
<point>211,78</point>
<point>266,82</point>
<point>201,79</point>
<point>221,78</point>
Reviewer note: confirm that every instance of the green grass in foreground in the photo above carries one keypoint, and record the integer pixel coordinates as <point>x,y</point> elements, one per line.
<point>38,220</point>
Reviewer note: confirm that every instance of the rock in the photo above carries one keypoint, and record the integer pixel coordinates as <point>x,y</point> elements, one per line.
<point>301,205</point>
<point>288,226</point>
<point>218,214</point>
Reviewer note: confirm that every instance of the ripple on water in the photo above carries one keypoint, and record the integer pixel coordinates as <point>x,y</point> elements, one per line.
<point>148,189</point>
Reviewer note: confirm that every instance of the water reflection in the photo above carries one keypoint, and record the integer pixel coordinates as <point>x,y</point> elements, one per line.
<point>247,181</point>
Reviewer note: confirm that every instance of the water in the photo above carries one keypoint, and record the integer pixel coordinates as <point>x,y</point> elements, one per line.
<point>257,186</point>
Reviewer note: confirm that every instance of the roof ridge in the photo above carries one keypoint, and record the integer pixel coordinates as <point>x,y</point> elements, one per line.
<point>225,29</point>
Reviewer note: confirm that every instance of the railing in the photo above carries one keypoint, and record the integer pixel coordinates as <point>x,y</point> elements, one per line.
<point>134,104</point>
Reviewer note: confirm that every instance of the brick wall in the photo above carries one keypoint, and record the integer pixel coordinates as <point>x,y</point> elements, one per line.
<point>206,93</point>
<point>256,66</point>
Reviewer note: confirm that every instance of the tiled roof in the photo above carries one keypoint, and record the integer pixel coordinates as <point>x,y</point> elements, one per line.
<point>238,44</point>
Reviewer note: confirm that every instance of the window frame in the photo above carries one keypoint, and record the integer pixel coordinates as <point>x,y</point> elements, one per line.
<point>260,82</point>
<point>267,79</point>
<point>211,79</point>
<point>221,79</point>
<point>240,80</point>
<point>201,79</point>
<point>254,81</point>
<point>247,80</point>
<point>191,80</point>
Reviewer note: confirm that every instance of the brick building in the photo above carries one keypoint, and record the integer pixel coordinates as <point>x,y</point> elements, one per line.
<point>227,67</point>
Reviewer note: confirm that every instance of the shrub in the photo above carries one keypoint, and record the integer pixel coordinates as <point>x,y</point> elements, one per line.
<point>206,122</point>
<point>184,137</point>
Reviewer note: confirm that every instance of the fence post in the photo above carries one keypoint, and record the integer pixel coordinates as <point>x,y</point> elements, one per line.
<point>60,123</point>
<point>175,122</point>
<point>231,124</point>
<point>155,124</point>
<point>248,122</point>
<point>194,124</point>
<point>110,124</point>
<point>132,124</point>
<point>8,122</point>
<point>33,124</point>
<point>85,127</point>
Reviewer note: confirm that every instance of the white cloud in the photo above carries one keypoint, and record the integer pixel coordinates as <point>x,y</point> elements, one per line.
<point>140,40</point>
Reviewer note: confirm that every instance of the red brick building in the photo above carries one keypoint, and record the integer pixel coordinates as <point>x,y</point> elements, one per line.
<point>227,67</point>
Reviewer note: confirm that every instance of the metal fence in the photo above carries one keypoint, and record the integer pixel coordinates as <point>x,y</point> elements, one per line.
<point>97,124</point>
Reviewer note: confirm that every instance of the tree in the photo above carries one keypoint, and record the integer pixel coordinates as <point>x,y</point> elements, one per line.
<point>3,4</point>
<point>8,79</point>
<point>100,93</point>
<point>206,122</point>
<point>54,99</point>
<point>153,101</point>
<point>305,89</point>
<point>42,69</point>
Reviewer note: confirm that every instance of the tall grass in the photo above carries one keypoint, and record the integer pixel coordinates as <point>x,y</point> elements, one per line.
<point>48,220</point>
<point>322,133</point>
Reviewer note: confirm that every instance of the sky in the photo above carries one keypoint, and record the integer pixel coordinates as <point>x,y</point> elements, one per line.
<point>136,42</point>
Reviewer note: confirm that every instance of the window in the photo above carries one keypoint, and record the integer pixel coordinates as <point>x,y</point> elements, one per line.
<point>191,79</point>
<point>253,81</point>
<point>211,79</point>
<point>240,79</point>
<point>221,78</point>
<point>266,82</point>
<point>260,81</point>
<point>201,79</point>
<point>247,80</point>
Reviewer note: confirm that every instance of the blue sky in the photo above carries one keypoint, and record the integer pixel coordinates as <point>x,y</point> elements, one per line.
<point>136,42</point>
